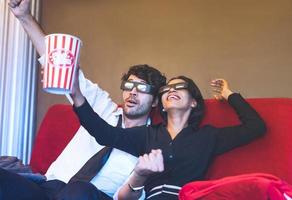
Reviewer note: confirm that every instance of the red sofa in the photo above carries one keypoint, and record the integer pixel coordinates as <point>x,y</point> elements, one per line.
<point>270,154</point>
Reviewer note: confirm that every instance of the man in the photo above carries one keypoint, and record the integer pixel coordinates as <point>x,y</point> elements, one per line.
<point>140,86</point>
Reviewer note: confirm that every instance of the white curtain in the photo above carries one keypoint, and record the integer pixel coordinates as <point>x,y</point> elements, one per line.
<point>18,85</point>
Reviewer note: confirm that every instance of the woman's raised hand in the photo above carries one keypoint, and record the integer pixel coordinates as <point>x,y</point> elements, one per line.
<point>221,89</point>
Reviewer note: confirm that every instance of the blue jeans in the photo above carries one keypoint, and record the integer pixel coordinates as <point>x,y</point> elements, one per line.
<point>14,186</point>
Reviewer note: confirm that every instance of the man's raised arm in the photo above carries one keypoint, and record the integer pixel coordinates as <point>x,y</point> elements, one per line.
<point>21,10</point>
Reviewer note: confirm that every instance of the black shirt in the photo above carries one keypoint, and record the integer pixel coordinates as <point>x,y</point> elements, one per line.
<point>188,155</point>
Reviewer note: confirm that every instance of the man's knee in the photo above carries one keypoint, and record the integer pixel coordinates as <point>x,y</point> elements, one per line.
<point>3,174</point>
<point>7,177</point>
<point>78,190</point>
<point>14,186</point>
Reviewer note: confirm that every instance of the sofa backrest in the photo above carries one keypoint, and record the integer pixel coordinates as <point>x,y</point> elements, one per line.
<point>56,130</point>
<point>270,154</point>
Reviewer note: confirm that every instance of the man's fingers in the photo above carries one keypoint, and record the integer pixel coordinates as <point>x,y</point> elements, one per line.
<point>145,158</point>
<point>156,151</point>
<point>18,1</point>
<point>11,5</point>
<point>14,3</point>
<point>150,163</point>
<point>160,162</point>
<point>157,160</point>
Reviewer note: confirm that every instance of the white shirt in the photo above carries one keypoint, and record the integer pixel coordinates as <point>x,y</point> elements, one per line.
<point>83,146</point>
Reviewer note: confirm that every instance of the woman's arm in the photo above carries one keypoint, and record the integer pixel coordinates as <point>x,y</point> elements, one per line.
<point>132,140</point>
<point>252,126</point>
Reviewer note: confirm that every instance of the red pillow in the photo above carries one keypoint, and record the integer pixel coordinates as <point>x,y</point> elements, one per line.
<point>241,190</point>
<point>257,186</point>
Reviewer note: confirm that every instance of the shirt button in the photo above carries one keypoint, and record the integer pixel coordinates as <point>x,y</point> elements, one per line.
<point>170,143</point>
<point>170,156</point>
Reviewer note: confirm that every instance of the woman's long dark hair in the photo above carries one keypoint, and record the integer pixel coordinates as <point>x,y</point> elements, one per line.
<point>197,113</point>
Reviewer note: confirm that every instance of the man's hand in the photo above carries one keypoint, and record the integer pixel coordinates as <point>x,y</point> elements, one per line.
<point>150,163</point>
<point>20,8</point>
<point>146,165</point>
<point>76,94</point>
<point>221,89</point>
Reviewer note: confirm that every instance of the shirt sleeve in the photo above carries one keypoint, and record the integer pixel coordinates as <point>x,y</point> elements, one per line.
<point>252,126</point>
<point>130,140</point>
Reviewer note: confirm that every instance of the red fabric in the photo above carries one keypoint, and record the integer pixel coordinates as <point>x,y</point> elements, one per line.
<point>57,129</point>
<point>270,154</point>
<point>249,186</point>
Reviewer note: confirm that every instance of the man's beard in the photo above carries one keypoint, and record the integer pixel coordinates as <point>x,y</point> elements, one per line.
<point>139,111</point>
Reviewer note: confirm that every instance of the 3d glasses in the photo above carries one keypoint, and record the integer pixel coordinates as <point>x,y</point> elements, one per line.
<point>140,87</point>
<point>176,86</point>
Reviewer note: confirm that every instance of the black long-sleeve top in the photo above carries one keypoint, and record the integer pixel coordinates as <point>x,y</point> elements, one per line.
<point>188,155</point>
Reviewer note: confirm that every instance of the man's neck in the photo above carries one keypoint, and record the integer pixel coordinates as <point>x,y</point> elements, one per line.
<point>129,123</point>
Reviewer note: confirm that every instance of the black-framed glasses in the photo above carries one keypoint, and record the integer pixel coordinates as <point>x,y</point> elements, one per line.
<point>141,87</point>
<point>176,86</point>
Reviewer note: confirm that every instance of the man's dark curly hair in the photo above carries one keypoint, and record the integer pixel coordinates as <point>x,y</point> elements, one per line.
<point>149,74</point>
<point>197,113</point>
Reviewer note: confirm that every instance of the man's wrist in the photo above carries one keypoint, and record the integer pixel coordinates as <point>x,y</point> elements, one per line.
<point>25,18</point>
<point>135,189</point>
<point>139,176</point>
<point>137,181</point>
<point>78,100</point>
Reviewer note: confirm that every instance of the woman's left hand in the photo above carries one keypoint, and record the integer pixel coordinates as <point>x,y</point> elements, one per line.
<point>221,89</point>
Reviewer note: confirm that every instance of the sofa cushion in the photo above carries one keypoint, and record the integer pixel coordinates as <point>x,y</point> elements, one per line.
<point>56,130</point>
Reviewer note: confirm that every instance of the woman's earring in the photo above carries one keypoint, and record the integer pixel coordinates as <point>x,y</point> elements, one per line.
<point>194,105</point>
<point>163,110</point>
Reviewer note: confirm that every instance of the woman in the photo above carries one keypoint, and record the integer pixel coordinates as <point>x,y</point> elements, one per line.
<point>178,151</point>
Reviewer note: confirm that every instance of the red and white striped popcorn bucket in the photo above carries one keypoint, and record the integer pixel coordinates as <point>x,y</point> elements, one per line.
<point>61,60</point>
